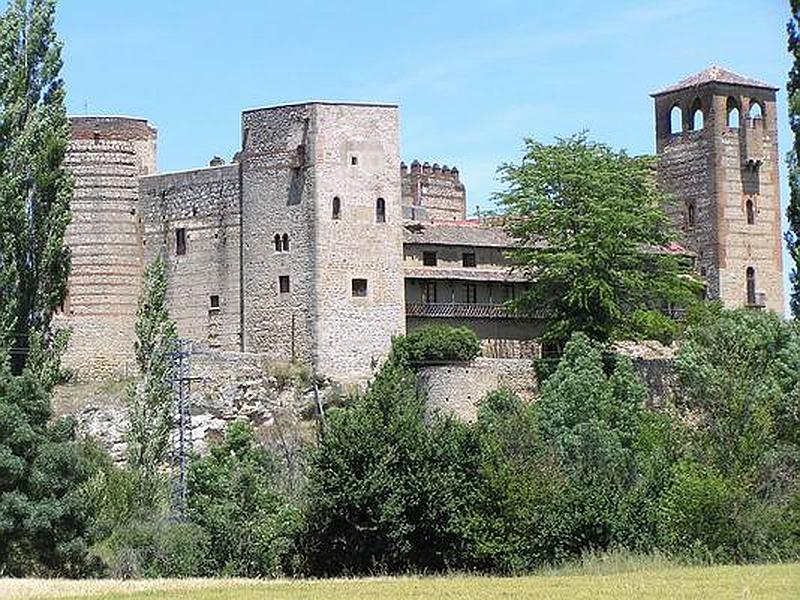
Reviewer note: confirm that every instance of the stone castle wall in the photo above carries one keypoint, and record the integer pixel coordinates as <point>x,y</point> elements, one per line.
<point>747,168</point>
<point>106,156</point>
<point>204,203</point>
<point>432,192</point>
<point>278,199</point>
<point>356,158</point>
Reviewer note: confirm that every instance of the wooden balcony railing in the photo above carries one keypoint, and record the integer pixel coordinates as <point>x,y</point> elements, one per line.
<point>462,311</point>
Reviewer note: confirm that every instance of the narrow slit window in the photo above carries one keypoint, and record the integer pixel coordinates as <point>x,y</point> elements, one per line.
<point>359,288</point>
<point>751,286</point>
<point>283,284</point>
<point>180,241</point>
<point>751,212</point>
<point>380,211</point>
<point>336,210</point>
<point>285,242</point>
<point>278,243</point>
<point>690,216</point>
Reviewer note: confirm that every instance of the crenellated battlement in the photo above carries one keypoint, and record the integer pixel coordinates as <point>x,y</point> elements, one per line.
<point>432,192</point>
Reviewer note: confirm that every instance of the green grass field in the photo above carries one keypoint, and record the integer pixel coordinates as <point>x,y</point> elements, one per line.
<point>776,582</point>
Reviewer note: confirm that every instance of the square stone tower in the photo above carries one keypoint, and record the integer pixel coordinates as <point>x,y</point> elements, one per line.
<point>716,139</point>
<point>322,235</point>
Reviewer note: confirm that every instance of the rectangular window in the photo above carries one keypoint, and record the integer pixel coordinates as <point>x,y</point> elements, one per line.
<point>468,259</point>
<point>429,259</point>
<point>354,160</point>
<point>283,284</point>
<point>213,302</point>
<point>180,241</point>
<point>429,293</point>
<point>470,293</point>
<point>359,288</point>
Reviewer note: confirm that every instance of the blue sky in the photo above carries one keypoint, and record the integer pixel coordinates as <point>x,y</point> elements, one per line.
<point>471,78</point>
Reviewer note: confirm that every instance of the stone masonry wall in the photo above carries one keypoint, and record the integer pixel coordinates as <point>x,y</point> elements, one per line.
<point>458,387</point>
<point>278,199</point>
<point>106,155</point>
<point>747,168</point>
<point>356,158</point>
<point>433,192</point>
<point>686,173</point>
<point>205,204</point>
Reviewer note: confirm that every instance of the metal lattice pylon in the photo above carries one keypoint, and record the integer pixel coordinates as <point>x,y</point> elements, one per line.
<point>182,424</point>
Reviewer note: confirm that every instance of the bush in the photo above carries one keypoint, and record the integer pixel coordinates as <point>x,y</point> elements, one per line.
<point>386,485</point>
<point>436,343</point>
<point>234,497</point>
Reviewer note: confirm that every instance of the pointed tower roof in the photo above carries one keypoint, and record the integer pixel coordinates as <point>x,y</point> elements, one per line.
<point>714,74</point>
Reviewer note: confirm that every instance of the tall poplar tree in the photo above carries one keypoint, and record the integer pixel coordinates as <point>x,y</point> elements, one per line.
<point>793,159</point>
<point>35,187</point>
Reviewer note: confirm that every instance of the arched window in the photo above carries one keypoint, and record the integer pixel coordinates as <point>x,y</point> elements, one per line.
<point>690,216</point>
<point>751,286</point>
<point>733,113</point>
<point>697,115</point>
<point>756,111</point>
<point>285,244</point>
<point>676,119</point>
<point>751,212</point>
<point>278,244</point>
<point>336,211</point>
<point>380,211</point>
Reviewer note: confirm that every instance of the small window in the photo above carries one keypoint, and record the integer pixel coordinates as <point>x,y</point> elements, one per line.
<point>359,288</point>
<point>283,284</point>
<point>733,113</point>
<point>285,242</point>
<point>676,120</point>
<point>180,241</point>
<point>336,211</point>
<point>354,160</point>
<point>429,259</point>
<point>470,293</point>
<point>756,112</point>
<point>690,216</point>
<point>278,242</point>
<point>380,211</point>
<point>468,259</point>
<point>751,286</point>
<point>213,302</point>
<point>751,212</point>
<point>697,115</point>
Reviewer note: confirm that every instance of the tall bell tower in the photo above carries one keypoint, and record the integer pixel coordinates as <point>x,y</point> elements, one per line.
<point>717,144</point>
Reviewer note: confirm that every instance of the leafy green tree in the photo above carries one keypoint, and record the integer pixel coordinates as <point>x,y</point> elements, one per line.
<point>592,232</point>
<point>44,521</point>
<point>437,343</point>
<point>793,158</point>
<point>386,484</point>
<point>234,497</point>
<point>614,454</point>
<point>738,384</point>
<point>150,397</point>
<point>35,187</point>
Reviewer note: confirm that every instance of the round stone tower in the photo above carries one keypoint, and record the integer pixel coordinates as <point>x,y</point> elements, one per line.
<point>107,155</point>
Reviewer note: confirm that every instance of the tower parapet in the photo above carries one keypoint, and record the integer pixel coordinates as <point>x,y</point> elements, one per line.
<point>432,192</point>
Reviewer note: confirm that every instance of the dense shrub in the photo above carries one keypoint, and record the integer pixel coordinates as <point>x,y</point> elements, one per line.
<point>386,485</point>
<point>233,497</point>
<point>436,343</point>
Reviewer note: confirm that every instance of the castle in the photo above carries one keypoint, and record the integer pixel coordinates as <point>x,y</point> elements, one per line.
<point>316,244</point>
